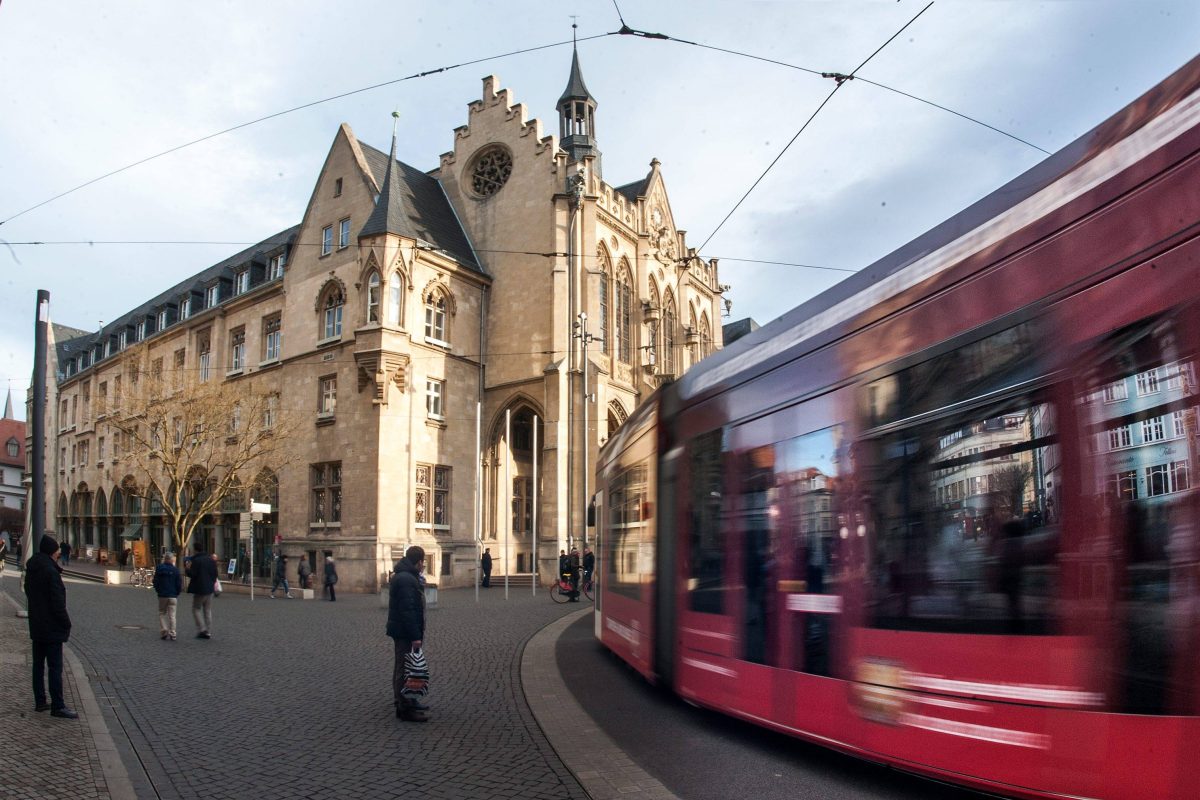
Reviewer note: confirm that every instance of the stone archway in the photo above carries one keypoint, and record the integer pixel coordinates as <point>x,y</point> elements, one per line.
<point>511,499</point>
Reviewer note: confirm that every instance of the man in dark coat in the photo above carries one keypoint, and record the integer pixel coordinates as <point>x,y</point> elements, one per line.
<point>406,626</point>
<point>202,574</point>
<point>486,563</point>
<point>49,626</point>
<point>589,563</point>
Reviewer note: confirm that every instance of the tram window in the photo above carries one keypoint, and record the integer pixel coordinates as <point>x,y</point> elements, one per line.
<point>753,512</point>
<point>630,545</point>
<point>706,555</point>
<point>966,538</point>
<point>1138,401</point>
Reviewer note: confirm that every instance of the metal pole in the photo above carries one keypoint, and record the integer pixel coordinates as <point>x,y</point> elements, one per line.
<point>37,524</point>
<point>537,497</point>
<point>508,484</point>
<point>478,472</point>
<point>583,335</point>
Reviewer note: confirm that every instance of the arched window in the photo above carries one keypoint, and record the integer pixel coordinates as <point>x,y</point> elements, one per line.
<point>605,277</point>
<point>331,312</point>
<point>706,342</point>
<point>623,316</point>
<point>395,306</point>
<point>435,318</point>
<point>668,336</point>
<point>373,297</point>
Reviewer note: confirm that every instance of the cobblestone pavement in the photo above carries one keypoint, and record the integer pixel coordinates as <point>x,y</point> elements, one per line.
<point>292,698</point>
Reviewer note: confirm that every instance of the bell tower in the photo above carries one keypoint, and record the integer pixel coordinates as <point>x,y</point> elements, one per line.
<point>577,118</point>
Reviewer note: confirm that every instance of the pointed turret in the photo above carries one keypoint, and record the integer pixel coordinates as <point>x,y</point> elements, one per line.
<point>577,117</point>
<point>388,214</point>
<point>8,412</point>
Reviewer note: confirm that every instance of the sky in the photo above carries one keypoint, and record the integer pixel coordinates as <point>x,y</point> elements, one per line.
<point>93,87</point>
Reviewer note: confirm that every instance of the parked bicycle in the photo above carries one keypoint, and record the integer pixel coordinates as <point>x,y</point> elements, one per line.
<point>142,576</point>
<point>560,592</point>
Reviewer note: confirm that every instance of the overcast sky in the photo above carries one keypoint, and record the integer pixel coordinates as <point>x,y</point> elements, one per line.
<point>91,87</point>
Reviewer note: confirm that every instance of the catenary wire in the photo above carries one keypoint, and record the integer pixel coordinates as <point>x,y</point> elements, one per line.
<point>837,85</point>
<point>301,107</point>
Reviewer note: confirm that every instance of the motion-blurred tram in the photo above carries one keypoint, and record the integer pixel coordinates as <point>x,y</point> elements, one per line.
<point>945,516</point>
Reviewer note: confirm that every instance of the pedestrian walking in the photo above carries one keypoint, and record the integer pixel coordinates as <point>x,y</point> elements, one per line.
<point>202,579</point>
<point>573,574</point>
<point>3,550</point>
<point>486,564</point>
<point>280,576</point>
<point>64,553</point>
<point>406,627</point>
<point>330,578</point>
<point>304,571</point>
<point>49,626</point>
<point>168,584</point>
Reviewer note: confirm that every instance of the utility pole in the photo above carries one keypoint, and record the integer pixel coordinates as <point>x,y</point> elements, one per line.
<point>585,338</point>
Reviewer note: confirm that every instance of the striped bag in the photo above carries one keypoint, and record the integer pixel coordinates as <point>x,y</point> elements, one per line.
<point>416,675</point>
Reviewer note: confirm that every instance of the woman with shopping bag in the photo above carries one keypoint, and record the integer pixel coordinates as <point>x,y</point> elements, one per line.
<point>406,627</point>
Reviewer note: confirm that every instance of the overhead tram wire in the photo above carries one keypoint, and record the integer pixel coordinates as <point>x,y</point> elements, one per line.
<point>541,254</point>
<point>839,80</point>
<point>628,31</point>
<point>301,107</point>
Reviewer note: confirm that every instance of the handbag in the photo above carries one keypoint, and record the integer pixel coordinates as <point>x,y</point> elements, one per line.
<point>416,675</point>
<point>216,587</point>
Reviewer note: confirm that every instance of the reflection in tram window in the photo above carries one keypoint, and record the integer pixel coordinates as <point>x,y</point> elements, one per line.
<point>1138,401</point>
<point>705,546</point>
<point>966,535</point>
<point>630,537</point>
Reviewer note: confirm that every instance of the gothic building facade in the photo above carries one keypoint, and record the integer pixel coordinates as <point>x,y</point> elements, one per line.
<point>457,344</point>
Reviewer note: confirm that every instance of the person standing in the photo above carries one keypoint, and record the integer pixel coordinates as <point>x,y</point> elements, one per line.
<point>486,564</point>
<point>406,627</point>
<point>64,557</point>
<point>573,573</point>
<point>330,578</point>
<point>280,576</point>
<point>202,575</point>
<point>168,584</point>
<point>304,571</point>
<point>49,626</point>
<point>589,563</point>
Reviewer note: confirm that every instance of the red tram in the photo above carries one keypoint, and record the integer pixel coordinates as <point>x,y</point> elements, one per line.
<point>942,516</point>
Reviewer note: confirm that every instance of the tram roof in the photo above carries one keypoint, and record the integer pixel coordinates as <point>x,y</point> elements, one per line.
<point>785,338</point>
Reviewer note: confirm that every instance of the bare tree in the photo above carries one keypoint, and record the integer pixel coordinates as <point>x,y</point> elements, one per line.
<point>1009,485</point>
<point>192,443</point>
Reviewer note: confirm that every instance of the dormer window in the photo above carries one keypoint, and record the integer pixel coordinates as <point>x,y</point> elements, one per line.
<point>122,340</point>
<point>13,447</point>
<point>241,283</point>
<point>162,320</point>
<point>185,307</point>
<point>275,266</point>
<point>212,296</point>
<point>141,331</point>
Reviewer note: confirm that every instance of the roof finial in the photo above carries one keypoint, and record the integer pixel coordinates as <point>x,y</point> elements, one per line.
<point>574,27</point>
<point>395,127</point>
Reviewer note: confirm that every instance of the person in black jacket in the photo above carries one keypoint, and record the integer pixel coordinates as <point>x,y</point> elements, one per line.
<point>486,564</point>
<point>49,626</point>
<point>202,574</point>
<point>331,578</point>
<point>406,626</point>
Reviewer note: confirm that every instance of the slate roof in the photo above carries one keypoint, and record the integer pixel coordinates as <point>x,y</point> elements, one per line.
<point>634,190</point>
<point>576,88</point>
<point>71,342</point>
<point>416,206</point>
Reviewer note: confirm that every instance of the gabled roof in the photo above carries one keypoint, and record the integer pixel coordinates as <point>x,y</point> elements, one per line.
<point>416,206</point>
<point>12,429</point>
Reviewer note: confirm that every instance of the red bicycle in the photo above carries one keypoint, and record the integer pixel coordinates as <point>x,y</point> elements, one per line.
<point>560,592</point>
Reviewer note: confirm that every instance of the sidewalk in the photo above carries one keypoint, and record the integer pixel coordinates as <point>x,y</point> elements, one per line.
<point>46,757</point>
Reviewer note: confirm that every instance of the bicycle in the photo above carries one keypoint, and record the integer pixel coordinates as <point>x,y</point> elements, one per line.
<point>142,576</point>
<point>561,591</point>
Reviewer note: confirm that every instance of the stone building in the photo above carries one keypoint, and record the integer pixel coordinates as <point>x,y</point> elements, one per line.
<point>431,330</point>
<point>12,459</point>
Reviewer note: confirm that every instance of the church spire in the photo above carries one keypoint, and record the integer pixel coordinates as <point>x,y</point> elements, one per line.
<point>577,116</point>
<point>388,214</point>
<point>8,412</point>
